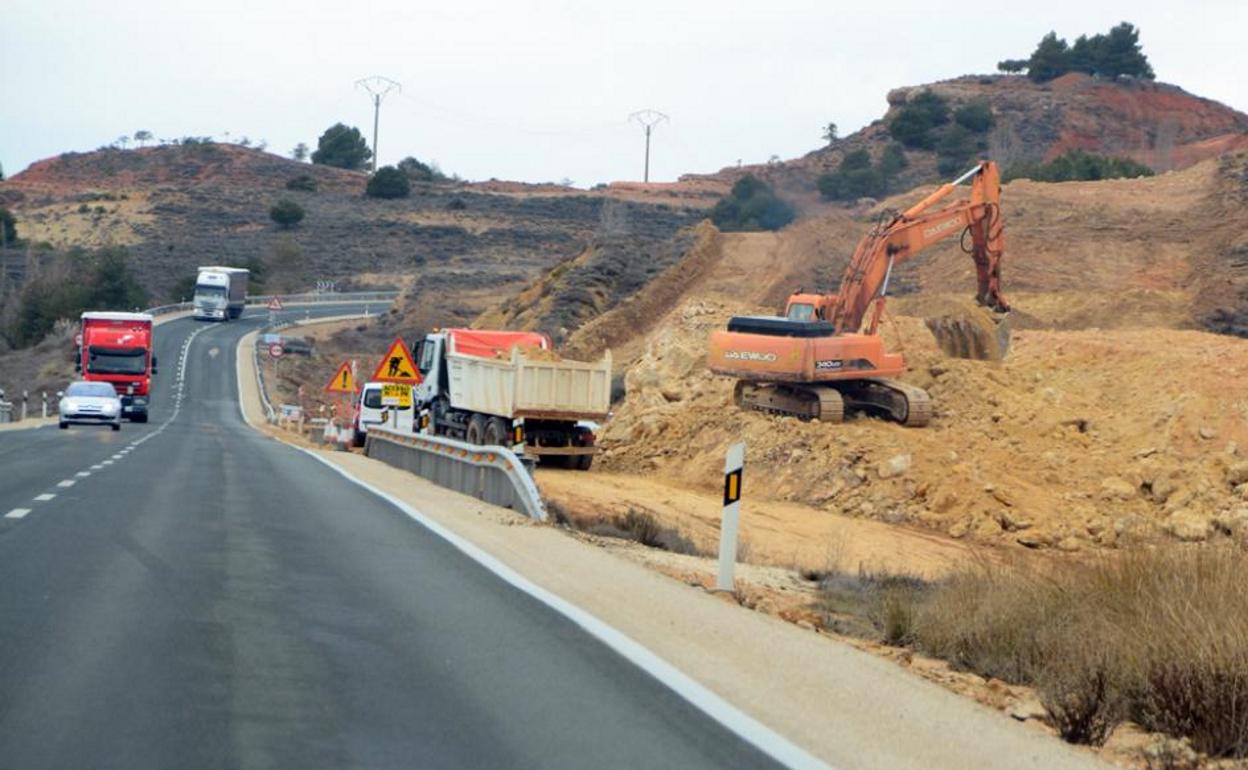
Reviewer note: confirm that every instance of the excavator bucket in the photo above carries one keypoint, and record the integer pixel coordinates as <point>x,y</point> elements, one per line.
<point>973,332</point>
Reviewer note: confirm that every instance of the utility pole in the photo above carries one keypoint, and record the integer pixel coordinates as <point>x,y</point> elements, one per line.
<point>377,87</point>
<point>648,119</point>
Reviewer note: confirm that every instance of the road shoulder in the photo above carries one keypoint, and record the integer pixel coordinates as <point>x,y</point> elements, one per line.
<point>845,706</point>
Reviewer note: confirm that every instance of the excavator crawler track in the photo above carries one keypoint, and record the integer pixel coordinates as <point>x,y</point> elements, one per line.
<point>803,402</point>
<point>829,401</point>
<point>892,399</point>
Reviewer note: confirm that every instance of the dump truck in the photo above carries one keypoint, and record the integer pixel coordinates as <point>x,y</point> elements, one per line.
<point>220,293</point>
<point>510,389</point>
<point>116,348</point>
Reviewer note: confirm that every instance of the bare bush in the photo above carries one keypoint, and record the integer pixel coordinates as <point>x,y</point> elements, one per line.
<point>1160,636</point>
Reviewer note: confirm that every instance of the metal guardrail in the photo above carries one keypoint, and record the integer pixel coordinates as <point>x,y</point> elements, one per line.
<point>6,411</point>
<point>490,473</point>
<point>324,297</point>
<point>307,298</point>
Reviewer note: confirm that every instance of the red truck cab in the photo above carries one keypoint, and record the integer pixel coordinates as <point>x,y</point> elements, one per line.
<point>117,348</point>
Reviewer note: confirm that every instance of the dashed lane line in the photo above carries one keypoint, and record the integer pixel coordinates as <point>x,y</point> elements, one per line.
<point>46,496</point>
<point>66,484</point>
<point>17,513</point>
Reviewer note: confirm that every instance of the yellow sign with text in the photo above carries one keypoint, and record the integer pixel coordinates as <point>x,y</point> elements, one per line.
<point>396,394</point>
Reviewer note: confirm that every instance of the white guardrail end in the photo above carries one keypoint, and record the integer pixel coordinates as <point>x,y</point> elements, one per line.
<point>494,474</point>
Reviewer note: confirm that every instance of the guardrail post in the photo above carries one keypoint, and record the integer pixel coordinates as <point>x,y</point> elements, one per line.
<point>25,398</point>
<point>45,404</point>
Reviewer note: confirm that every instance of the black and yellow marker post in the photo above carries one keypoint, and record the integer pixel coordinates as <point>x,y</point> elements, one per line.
<point>734,466</point>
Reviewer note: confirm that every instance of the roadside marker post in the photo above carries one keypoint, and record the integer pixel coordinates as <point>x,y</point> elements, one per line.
<point>734,465</point>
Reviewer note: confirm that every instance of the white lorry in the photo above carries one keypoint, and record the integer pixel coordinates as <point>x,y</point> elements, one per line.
<point>220,293</point>
<point>508,388</point>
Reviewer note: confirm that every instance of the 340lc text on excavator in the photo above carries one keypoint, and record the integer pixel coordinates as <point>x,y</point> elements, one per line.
<point>825,355</point>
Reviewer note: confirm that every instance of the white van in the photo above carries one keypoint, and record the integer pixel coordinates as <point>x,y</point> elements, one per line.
<point>369,411</point>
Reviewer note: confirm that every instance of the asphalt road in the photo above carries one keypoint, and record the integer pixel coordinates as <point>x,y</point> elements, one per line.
<point>207,597</point>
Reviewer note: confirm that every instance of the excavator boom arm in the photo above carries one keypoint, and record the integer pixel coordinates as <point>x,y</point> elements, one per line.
<point>893,241</point>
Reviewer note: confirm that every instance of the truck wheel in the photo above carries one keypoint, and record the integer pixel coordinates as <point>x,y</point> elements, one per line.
<point>63,425</point>
<point>497,432</point>
<point>358,438</point>
<point>138,417</point>
<point>476,430</point>
<point>584,461</point>
<point>117,426</point>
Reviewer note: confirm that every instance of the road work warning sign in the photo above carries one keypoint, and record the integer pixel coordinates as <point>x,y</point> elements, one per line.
<point>343,380</point>
<point>397,365</point>
<point>396,394</point>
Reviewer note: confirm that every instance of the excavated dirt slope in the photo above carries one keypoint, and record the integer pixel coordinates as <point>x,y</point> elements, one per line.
<point>1112,419</point>
<point>1080,437</point>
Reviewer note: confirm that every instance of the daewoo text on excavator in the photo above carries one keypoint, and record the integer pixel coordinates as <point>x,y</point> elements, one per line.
<point>825,355</point>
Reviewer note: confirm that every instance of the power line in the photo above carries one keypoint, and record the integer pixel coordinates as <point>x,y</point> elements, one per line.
<point>648,120</point>
<point>377,87</point>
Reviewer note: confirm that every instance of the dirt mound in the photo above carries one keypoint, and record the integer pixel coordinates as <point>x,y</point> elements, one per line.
<point>1078,438</point>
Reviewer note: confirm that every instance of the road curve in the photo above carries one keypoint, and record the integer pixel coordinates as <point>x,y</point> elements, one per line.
<point>202,596</point>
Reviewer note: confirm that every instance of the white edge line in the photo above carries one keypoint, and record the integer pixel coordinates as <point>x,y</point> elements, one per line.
<point>702,698</point>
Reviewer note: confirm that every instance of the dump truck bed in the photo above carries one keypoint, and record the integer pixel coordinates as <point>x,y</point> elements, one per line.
<point>529,383</point>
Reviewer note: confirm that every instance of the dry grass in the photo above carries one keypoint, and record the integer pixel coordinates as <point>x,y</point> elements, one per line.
<point>1159,637</point>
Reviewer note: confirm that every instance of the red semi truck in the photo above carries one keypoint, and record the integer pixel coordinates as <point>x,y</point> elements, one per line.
<point>117,348</point>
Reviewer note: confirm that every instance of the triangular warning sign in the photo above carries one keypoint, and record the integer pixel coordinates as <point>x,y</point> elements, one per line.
<point>275,304</point>
<point>397,365</point>
<point>343,380</point>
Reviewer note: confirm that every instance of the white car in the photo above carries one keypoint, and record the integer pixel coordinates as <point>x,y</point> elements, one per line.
<point>86,401</point>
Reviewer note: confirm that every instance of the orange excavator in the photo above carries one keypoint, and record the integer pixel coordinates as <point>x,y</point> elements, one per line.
<point>825,355</point>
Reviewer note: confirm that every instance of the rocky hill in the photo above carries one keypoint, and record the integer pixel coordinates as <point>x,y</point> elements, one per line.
<point>177,207</point>
<point>1159,125</point>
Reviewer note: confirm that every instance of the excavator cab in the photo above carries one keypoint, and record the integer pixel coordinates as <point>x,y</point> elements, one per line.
<point>808,307</point>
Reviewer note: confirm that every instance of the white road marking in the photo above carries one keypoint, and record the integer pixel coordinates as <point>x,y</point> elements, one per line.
<point>117,457</point>
<point>97,467</point>
<point>66,484</point>
<point>17,513</point>
<point>107,462</point>
<point>82,474</point>
<point>46,496</point>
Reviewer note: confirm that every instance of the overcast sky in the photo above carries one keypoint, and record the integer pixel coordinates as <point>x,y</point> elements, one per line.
<point>538,91</point>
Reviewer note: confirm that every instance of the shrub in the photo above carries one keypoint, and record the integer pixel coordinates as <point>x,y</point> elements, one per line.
<point>420,172</point>
<point>893,160</point>
<point>343,147</point>
<point>286,213</point>
<point>1077,165</point>
<point>857,178</point>
<point>76,282</point>
<point>1160,637</point>
<point>388,182</point>
<point>751,205</point>
<point>914,124</point>
<point>8,229</point>
<point>302,182</point>
<point>955,149</point>
<point>975,117</point>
